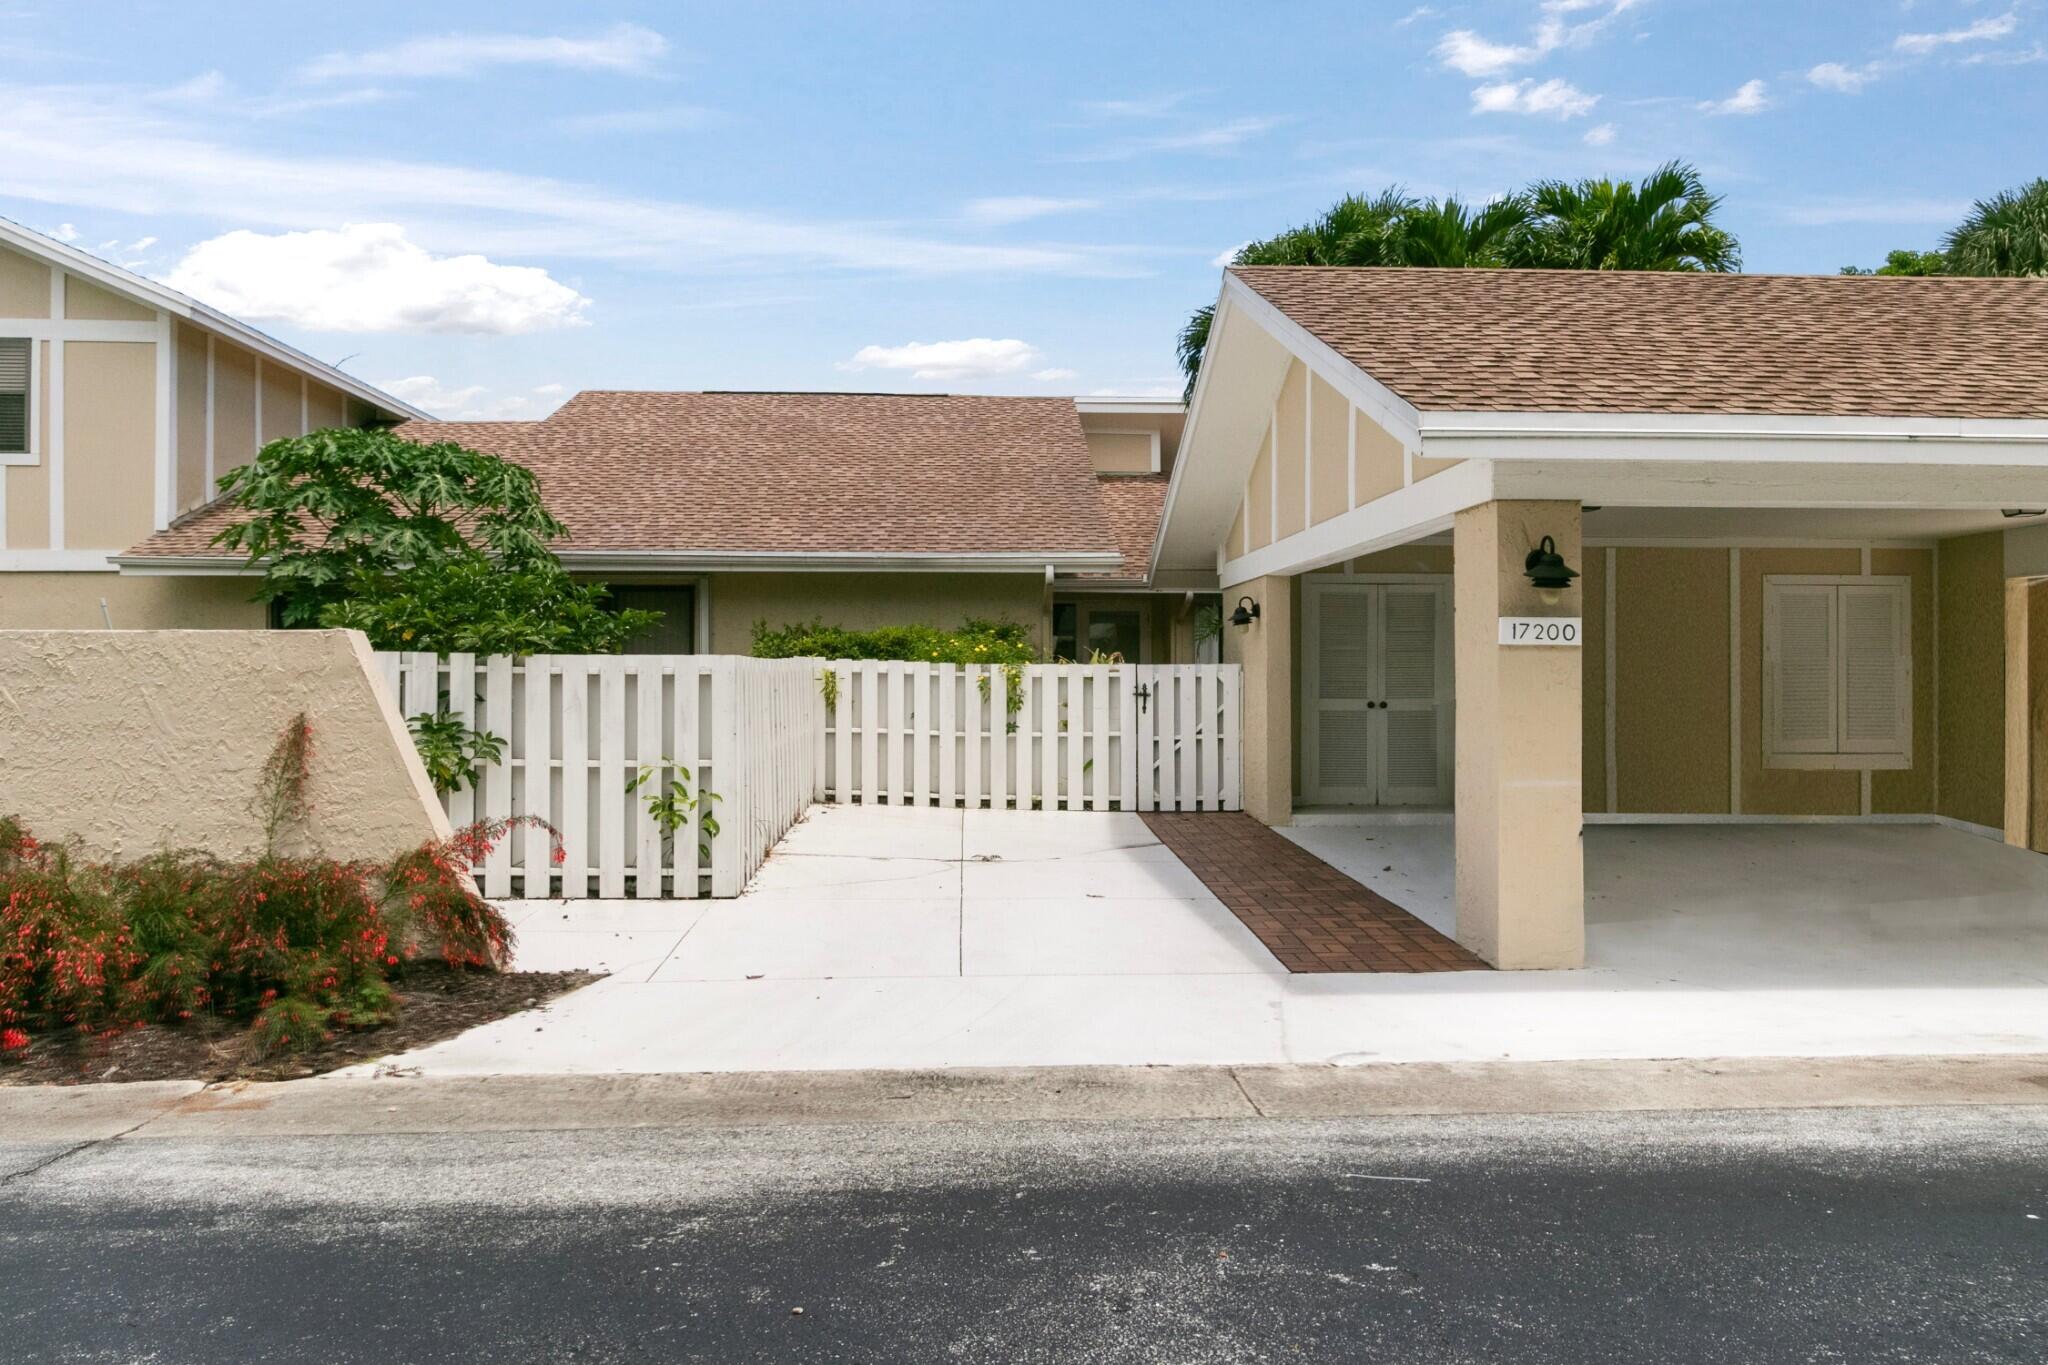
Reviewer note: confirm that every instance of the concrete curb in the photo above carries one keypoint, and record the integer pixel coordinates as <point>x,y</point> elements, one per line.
<point>366,1106</point>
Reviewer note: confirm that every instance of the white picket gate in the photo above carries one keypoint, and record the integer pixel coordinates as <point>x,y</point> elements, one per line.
<point>759,739</point>
<point>744,734</point>
<point>1082,736</point>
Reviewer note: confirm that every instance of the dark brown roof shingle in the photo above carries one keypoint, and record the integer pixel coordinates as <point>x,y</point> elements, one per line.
<point>785,473</point>
<point>1674,342</point>
<point>1134,503</point>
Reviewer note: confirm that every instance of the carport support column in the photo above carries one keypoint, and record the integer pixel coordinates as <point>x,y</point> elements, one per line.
<point>1266,649</point>
<point>1521,870</point>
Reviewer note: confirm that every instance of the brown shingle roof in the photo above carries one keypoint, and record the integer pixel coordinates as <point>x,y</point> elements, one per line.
<point>789,473</point>
<point>1134,504</point>
<point>1614,341</point>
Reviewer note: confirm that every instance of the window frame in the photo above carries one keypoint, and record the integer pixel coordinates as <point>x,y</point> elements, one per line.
<point>1837,757</point>
<point>33,455</point>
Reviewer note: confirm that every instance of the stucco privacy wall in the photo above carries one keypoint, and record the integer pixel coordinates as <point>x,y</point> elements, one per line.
<point>131,741</point>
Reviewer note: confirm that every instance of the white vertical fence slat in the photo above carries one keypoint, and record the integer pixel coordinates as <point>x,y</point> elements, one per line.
<point>575,826</point>
<point>755,742</point>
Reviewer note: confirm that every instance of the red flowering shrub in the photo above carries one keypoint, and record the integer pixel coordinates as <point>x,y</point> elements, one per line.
<point>299,945</point>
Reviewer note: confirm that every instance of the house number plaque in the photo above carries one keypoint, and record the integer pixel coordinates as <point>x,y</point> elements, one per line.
<point>1540,630</point>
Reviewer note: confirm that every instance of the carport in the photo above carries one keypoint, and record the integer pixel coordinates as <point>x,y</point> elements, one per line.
<point>1755,560</point>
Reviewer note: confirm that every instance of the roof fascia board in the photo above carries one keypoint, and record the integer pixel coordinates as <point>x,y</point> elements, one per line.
<point>701,562</point>
<point>1815,483</point>
<point>1147,407</point>
<point>1406,514</point>
<point>1459,426</point>
<point>1730,451</point>
<point>1391,411</point>
<point>73,261</point>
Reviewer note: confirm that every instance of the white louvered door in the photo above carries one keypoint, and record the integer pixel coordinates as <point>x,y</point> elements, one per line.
<point>1337,724</point>
<point>1801,663</point>
<point>1376,699</point>
<point>1411,725</point>
<point>1877,685</point>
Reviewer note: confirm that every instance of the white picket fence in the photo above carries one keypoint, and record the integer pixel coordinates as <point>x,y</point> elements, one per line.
<point>759,739</point>
<point>743,734</point>
<point>1081,737</point>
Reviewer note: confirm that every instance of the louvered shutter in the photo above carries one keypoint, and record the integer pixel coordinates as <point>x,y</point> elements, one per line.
<point>1412,690</point>
<point>1343,753</point>
<point>14,367</point>
<point>1800,666</point>
<point>1876,686</point>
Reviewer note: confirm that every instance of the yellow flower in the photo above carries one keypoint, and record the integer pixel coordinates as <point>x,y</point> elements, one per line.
<point>407,635</point>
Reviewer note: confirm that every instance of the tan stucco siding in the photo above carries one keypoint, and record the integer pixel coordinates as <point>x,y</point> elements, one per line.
<point>1290,435</point>
<point>234,407</point>
<point>1382,464</point>
<point>1972,680</point>
<point>1266,649</point>
<point>109,443</point>
<point>28,486</point>
<point>130,741</point>
<point>1120,452</point>
<point>24,286</point>
<point>71,601</point>
<point>189,451</point>
<point>1330,451</point>
<point>1258,497</point>
<point>1405,559</point>
<point>87,302</point>
<point>1910,791</point>
<point>862,601</point>
<point>1784,791</point>
<point>282,410</point>
<point>1670,680</point>
<point>1593,681</point>
<point>1424,467</point>
<point>325,407</point>
<point>1235,546</point>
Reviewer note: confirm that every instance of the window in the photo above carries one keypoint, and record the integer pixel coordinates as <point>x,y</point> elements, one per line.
<point>14,368</point>
<point>675,632</point>
<point>1066,630</point>
<point>1838,672</point>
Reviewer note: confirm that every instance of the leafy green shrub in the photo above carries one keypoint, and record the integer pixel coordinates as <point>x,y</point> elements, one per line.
<point>301,945</point>
<point>419,545</point>
<point>452,752</point>
<point>975,642</point>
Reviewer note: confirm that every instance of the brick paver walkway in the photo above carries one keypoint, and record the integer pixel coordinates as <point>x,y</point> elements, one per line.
<point>1307,913</point>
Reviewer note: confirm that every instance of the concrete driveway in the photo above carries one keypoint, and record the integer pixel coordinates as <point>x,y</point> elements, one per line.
<point>910,938</point>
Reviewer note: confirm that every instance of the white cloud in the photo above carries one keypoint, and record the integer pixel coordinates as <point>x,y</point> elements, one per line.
<point>473,402</point>
<point>2012,56</point>
<point>1221,137</point>
<point>1467,53</point>
<point>1150,106</point>
<point>1841,79</point>
<point>116,148</point>
<point>623,48</point>
<point>1920,44</point>
<point>1554,98</point>
<point>1749,99</point>
<point>973,358</point>
<point>1052,375</point>
<point>1003,210</point>
<point>368,278</point>
<point>1228,254</point>
<point>1600,135</point>
<point>668,118</point>
<point>63,232</point>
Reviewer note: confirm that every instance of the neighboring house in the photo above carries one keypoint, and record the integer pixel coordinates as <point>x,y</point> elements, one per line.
<point>122,402</point>
<point>1803,512</point>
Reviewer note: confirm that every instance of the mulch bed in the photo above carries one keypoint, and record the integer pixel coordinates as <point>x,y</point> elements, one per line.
<point>435,1001</point>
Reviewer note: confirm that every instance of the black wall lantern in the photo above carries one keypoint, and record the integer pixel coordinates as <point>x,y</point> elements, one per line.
<point>1246,613</point>
<point>1548,571</point>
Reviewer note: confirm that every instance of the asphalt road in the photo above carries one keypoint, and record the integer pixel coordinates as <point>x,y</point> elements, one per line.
<point>1858,1236</point>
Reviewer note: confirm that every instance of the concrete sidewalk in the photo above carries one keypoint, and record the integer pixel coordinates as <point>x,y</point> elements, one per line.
<point>50,1121</point>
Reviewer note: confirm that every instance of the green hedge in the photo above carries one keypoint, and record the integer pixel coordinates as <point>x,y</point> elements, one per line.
<point>975,642</point>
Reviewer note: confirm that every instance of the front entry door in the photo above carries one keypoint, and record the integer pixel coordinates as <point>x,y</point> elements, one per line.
<point>1376,694</point>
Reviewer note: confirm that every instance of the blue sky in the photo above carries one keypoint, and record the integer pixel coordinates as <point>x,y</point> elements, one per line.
<point>490,206</point>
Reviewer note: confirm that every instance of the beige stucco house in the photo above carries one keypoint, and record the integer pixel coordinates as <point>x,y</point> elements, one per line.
<point>1806,517</point>
<point>122,402</point>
